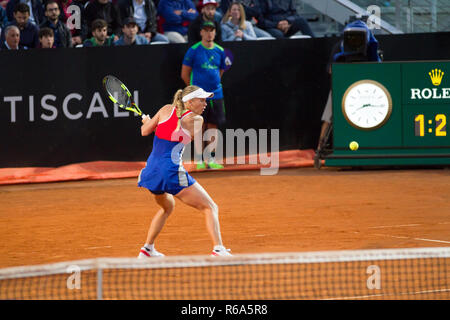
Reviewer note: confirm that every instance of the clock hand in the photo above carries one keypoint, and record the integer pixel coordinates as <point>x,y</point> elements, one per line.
<point>364,106</point>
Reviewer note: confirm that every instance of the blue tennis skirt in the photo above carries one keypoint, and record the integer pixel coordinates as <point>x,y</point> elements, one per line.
<point>164,171</point>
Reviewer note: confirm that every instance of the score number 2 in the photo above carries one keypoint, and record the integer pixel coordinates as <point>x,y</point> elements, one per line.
<point>440,120</point>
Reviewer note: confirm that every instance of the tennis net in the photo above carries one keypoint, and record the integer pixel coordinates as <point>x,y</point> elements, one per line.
<point>419,273</point>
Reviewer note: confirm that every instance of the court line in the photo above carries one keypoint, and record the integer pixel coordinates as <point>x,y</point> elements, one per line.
<point>388,294</point>
<point>431,240</point>
<point>398,225</point>
<point>403,237</point>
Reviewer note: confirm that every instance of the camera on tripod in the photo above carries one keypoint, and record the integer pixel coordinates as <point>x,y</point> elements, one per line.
<point>358,42</point>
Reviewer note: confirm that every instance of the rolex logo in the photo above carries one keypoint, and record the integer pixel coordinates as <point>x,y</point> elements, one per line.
<point>436,76</point>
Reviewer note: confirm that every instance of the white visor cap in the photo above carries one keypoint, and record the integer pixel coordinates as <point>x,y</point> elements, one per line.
<point>199,93</point>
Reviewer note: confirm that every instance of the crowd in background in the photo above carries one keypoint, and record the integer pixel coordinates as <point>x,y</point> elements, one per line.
<point>27,24</point>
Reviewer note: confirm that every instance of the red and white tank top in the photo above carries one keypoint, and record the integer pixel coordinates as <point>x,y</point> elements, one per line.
<point>167,129</point>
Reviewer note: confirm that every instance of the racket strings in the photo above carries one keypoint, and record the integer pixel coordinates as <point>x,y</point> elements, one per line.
<point>114,88</point>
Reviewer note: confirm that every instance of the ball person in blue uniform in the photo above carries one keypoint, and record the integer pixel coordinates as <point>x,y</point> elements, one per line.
<point>203,66</point>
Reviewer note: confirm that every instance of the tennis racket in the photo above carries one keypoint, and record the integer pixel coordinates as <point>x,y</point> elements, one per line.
<point>120,95</point>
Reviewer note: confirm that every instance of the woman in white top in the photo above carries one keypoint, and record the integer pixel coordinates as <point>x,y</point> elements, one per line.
<point>234,25</point>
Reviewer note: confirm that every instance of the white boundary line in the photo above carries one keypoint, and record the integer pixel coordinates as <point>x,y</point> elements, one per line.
<point>404,237</point>
<point>387,294</point>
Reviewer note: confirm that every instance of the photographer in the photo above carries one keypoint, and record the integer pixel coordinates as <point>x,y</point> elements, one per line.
<point>358,44</point>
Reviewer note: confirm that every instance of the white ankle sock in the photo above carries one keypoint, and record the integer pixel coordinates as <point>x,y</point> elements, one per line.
<point>149,246</point>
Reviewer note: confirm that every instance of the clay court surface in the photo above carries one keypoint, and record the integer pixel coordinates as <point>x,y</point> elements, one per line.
<point>302,209</point>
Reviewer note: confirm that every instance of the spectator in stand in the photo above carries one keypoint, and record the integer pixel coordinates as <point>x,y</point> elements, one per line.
<point>100,36</point>
<point>207,9</point>
<point>234,25</point>
<point>252,13</point>
<point>36,10</point>
<point>130,36</point>
<point>64,6</point>
<point>281,20</point>
<point>107,11</point>
<point>46,38</point>
<point>144,12</point>
<point>3,3</point>
<point>78,34</point>
<point>62,35</point>
<point>176,16</point>
<point>3,18</point>
<point>28,31</point>
<point>12,39</point>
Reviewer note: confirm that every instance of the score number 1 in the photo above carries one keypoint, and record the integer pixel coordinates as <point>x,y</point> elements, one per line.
<point>440,121</point>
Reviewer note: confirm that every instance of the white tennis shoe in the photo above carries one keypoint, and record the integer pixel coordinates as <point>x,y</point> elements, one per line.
<point>147,253</point>
<point>221,251</point>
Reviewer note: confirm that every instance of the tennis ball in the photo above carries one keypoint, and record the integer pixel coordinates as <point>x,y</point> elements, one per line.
<point>354,145</point>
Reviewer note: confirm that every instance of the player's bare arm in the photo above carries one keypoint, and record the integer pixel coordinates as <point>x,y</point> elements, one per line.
<point>193,124</point>
<point>149,124</point>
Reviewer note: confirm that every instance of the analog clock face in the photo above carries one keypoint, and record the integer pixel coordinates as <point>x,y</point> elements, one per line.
<point>366,105</point>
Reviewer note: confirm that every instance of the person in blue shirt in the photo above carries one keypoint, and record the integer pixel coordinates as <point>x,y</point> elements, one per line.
<point>130,36</point>
<point>176,15</point>
<point>203,66</point>
<point>3,18</point>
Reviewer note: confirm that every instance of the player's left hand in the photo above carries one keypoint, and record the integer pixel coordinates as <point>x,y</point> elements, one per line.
<point>145,118</point>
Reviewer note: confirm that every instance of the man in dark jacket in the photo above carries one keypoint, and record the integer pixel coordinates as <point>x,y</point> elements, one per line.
<point>12,39</point>
<point>207,9</point>
<point>28,31</point>
<point>105,10</point>
<point>281,20</point>
<point>36,10</point>
<point>144,12</point>
<point>62,35</point>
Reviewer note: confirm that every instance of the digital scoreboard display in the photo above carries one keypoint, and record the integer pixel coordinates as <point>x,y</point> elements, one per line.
<point>398,112</point>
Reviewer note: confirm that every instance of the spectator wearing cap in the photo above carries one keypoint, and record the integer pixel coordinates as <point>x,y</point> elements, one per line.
<point>28,31</point>
<point>203,66</point>
<point>176,16</point>
<point>144,12</point>
<point>234,25</point>
<point>207,9</point>
<point>130,36</point>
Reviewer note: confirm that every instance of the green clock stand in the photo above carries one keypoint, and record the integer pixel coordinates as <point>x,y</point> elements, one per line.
<point>397,112</point>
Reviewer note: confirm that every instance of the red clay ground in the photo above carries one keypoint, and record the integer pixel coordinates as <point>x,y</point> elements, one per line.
<point>297,210</point>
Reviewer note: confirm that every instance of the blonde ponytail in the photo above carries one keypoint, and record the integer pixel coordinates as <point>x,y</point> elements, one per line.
<point>178,102</point>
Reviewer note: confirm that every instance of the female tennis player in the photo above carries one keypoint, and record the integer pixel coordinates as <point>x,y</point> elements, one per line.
<point>164,174</point>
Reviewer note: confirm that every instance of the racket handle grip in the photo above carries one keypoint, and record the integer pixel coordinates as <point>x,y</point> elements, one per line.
<point>145,116</point>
